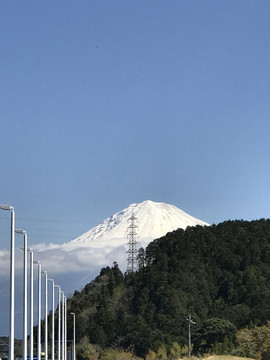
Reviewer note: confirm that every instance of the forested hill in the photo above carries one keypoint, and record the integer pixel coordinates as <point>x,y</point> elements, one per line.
<point>219,274</point>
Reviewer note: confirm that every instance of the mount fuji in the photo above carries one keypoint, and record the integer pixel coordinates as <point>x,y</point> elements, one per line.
<point>154,219</point>
<point>107,242</point>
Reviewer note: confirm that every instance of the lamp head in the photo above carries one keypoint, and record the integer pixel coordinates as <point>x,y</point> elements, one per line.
<point>21,231</point>
<point>6,207</point>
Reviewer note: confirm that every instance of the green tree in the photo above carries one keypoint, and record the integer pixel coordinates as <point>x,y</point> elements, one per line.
<point>86,351</point>
<point>254,341</point>
<point>175,351</point>
<point>211,332</point>
<point>162,352</point>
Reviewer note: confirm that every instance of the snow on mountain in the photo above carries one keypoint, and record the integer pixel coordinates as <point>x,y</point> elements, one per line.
<point>154,219</point>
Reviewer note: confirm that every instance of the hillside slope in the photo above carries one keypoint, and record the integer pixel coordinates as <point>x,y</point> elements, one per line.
<point>219,274</point>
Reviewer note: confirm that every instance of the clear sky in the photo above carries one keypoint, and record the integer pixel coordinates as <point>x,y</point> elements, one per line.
<point>107,103</point>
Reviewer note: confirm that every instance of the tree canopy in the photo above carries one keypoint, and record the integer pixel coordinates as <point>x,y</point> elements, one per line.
<point>219,274</point>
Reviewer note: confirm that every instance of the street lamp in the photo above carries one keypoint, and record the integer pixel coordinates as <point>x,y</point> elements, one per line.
<point>52,336</point>
<point>24,233</point>
<point>31,303</point>
<point>39,311</point>
<point>46,315</point>
<point>63,325</point>
<point>59,320</point>
<point>11,281</point>
<point>65,328</point>
<point>74,333</point>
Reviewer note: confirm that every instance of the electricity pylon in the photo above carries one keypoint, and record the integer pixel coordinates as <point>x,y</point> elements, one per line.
<point>132,263</point>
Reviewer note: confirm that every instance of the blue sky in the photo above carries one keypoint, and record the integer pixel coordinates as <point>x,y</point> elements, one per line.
<point>106,103</point>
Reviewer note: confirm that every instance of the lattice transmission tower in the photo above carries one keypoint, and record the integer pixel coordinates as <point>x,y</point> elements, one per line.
<point>132,262</point>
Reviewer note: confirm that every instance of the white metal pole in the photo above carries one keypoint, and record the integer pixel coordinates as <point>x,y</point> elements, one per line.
<point>11,297</point>
<point>63,326</point>
<point>59,321</point>
<point>24,233</point>
<point>31,304</point>
<point>25,300</point>
<point>12,287</point>
<point>189,336</point>
<point>46,315</point>
<point>39,312</point>
<point>52,335</point>
<point>74,336</point>
<point>20,231</point>
<point>11,281</point>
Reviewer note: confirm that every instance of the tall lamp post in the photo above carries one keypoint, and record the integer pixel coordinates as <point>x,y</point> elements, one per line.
<point>74,335</point>
<point>65,328</point>
<point>11,281</point>
<point>52,336</point>
<point>46,315</point>
<point>31,303</point>
<point>24,233</point>
<point>39,311</point>
<point>59,320</point>
<point>63,325</point>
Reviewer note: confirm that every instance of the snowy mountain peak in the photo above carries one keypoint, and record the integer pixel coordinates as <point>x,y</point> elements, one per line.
<point>154,219</point>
